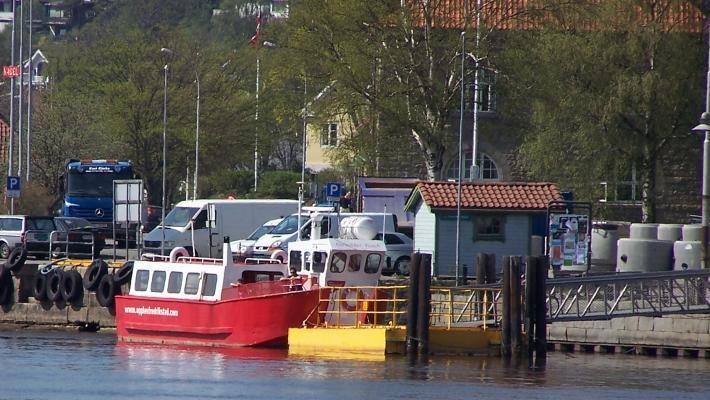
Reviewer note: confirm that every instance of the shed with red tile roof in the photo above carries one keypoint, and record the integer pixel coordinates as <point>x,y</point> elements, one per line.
<point>496,217</point>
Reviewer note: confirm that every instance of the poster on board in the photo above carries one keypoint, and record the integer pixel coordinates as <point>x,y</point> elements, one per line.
<point>569,239</point>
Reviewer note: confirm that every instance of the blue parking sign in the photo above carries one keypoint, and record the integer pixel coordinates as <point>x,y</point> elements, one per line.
<point>333,189</point>
<point>13,186</point>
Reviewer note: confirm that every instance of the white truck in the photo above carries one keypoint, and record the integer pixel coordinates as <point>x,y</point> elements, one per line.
<point>201,225</point>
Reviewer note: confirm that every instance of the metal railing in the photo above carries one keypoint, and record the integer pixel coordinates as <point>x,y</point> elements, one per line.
<point>386,306</point>
<point>61,245</point>
<point>620,295</point>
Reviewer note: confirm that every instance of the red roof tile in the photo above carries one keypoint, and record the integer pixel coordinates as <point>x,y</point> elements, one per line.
<point>489,195</point>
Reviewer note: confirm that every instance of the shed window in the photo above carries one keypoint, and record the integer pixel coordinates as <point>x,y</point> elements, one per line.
<point>337,264</point>
<point>157,285</point>
<point>373,263</point>
<point>489,227</point>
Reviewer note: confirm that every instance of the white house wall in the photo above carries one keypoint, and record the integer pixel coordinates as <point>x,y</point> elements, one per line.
<point>424,229</point>
<point>517,242</point>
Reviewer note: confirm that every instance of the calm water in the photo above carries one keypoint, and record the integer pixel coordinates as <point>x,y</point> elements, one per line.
<point>60,365</point>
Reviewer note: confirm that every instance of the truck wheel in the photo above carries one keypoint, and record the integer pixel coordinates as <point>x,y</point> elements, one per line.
<point>4,250</point>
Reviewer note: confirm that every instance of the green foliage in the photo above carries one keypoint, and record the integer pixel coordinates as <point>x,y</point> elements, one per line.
<point>278,185</point>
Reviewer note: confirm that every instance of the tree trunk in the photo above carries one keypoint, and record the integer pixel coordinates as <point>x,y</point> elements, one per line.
<point>648,184</point>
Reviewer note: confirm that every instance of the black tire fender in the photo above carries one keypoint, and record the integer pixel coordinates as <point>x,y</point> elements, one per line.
<point>97,269</point>
<point>7,287</point>
<point>54,285</point>
<point>17,259</point>
<point>71,286</point>
<point>106,290</point>
<point>39,290</point>
<point>123,275</point>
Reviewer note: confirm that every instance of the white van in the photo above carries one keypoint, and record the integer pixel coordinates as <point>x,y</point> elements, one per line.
<point>274,244</point>
<point>188,224</point>
<point>245,247</point>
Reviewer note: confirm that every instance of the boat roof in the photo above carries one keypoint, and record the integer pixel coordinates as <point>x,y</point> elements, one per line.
<point>202,202</point>
<point>331,245</point>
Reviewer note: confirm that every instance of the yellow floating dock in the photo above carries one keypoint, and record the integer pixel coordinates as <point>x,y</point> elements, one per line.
<point>390,340</point>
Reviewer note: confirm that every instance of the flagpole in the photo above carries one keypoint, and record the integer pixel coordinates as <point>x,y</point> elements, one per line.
<point>255,42</point>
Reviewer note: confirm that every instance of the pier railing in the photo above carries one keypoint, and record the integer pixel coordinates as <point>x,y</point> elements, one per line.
<point>386,306</point>
<point>620,295</point>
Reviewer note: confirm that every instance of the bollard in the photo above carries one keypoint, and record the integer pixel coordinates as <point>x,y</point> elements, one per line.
<point>412,304</point>
<point>464,275</point>
<point>529,305</point>
<point>540,313</point>
<point>505,339</point>
<point>490,275</point>
<point>515,337</point>
<point>481,259</point>
<point>424,303</point>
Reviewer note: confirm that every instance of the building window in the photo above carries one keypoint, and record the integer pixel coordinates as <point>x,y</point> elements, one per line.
<point>489,227</point>
<point>625,190</point>
<point>487,168</point>
<point>329,135</point>
<point>486,101</point>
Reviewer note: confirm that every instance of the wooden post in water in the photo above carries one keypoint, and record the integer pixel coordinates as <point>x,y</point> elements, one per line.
<point>412,303</point>
<point>530,274</point>
<point>514,299</point>
<point>481,268</point>
<point>505,339</point>
<point>490,275</point>
<point>424,303</point>
<point>540,312</point>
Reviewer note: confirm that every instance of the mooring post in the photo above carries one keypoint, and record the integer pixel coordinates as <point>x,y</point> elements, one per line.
<point>514,300</point>
<point>541,313</point>
<point>480,268</point>
<point>412,303</point>
<point>505,339</point>
<point>464,275</point>
<point>424,303</point>
<point>490,275</point>
<point>530,274</point>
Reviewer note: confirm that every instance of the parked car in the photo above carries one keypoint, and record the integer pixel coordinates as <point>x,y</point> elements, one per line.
<point>399,252</point>
<point>245,247</point>
<point>15,230</point>
<point>77,234</point>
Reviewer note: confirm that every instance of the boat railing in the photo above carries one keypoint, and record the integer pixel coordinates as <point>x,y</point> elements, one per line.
<point>154,257</point>
<point>252,260</point>
<point>199,260</point>
<point>386,306</point>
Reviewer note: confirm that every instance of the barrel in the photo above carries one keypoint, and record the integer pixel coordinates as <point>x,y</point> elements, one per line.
<point>670,232</point>
<point>644,231</point>
<point>644,255</point>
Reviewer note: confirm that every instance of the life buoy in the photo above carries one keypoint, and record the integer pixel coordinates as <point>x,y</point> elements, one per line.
<point>279,255</point>
<point>178,252</point>
<point>71,286</point>
<point>54,284</point>
<point>17,259</point>
<point>7,287</point>
<point>350,299</point>
<point>123,275</point>
<point>106,291</point>
<point>97,269</point>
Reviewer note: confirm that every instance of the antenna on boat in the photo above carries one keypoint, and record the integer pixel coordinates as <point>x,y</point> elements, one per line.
<point>384,223</point>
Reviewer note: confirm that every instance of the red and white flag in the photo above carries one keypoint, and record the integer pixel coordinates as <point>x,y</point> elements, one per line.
<point>254,41</point>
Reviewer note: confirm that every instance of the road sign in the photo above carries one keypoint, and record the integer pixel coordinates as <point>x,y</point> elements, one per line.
<point>11,71</point>
<point>13,186</point>
<point>333,190</point>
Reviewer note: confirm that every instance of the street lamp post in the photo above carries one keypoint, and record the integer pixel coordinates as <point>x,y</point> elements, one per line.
<point>164,51</point>
<point>197,136</point>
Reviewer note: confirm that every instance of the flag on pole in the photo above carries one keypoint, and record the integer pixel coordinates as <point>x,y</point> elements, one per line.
<point>254,41</point>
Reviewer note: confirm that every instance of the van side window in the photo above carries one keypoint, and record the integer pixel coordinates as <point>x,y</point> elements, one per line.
<point>200,220</point>
<point>175,282</point>
<point>337,264</point>
<point>319,258</point>
<point>142,280</point>
<point>210,286</point>
<point>158,283</point>
<point>12,224</point>
<point>192,282</point>
<point>373,263</point>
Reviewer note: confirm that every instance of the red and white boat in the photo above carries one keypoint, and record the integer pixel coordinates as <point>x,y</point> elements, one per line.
<point>215,302</point>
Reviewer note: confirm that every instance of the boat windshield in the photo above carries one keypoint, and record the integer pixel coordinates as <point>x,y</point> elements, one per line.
<point>289,225</point>
<point>180,216</point>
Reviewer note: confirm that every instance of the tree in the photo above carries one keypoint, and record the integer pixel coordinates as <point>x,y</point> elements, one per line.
<point>608,98</point>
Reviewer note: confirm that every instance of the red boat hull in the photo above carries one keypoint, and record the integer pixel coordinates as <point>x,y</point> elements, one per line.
<point>242,321</point>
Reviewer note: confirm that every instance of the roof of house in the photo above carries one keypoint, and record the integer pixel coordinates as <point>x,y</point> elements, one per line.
<point>514,196</point>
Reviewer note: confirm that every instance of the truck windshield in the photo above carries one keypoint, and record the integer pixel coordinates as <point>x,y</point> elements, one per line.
<point>289,225</point>
<point>93,183</point>
<point>180,216</point>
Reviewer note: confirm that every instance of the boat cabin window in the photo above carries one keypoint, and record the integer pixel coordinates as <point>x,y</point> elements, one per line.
<point>319,258</point>
<point>337,264</point>
<point>175,282</point>
<point>294,260</point>
<point>142,276</point>
<point>373,263</point>
<point>157,285</point>
<point>192,283</point>
<point>354,263</point>
<point>210,286</point>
